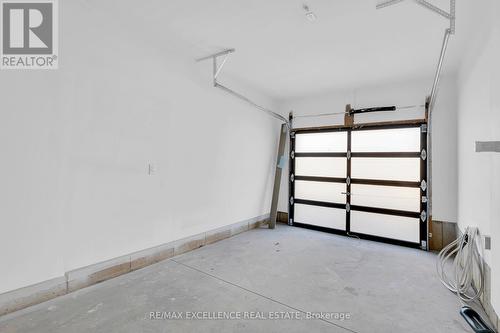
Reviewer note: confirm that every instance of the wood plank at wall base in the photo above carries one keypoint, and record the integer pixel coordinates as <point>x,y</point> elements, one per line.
<point>151,256</point>
<point>441,234</point>
<point>92,274</point>
<point>450,232</point>
<point>282,217</point>
<point>31,295</point>
<point>435,235</point>
<point>189,244</point>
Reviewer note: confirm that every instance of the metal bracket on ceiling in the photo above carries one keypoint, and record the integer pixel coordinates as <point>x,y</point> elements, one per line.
<point>426,4</point>
<point>217,70</point>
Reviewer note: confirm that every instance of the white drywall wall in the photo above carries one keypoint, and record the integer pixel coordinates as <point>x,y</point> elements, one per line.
<point>479,120</point>
<point>76,144</point>
<point>30,148</point>
<point>400,94</point>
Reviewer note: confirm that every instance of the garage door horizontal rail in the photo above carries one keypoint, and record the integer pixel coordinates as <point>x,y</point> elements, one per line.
<point>378,182</point>
<point>320,203</point>
<point>385,211</point>
<point>388,154</point>
<point>320,154</point>
<point>365,209</point>
<point>362,154</point>
<point>321,179</point>
<point>396,183</point>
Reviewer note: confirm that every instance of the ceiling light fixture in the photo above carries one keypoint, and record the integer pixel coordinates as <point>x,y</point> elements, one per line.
<point>309,14</point>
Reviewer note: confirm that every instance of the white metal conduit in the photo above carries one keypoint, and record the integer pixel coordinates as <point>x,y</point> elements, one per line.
<point>451,16</point>
<point>240,96</point>
<point>216,71</point>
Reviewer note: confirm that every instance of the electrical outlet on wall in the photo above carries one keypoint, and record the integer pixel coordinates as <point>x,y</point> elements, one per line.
<point>151,169</point>
<point>487,242</point>
<point>488,146</point>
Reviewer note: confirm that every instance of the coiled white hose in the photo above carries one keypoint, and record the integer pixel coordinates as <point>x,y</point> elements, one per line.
<point>467,260</point>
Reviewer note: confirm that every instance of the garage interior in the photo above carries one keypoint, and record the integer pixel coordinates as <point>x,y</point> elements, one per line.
<point>280,166</point>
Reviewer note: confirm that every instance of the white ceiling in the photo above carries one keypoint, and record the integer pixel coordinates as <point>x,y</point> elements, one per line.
<point>281,53</point>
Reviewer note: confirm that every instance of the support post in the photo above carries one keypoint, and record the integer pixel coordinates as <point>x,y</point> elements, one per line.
<point>280,164</point>
<point>291,170</point>
<point>348,117</point>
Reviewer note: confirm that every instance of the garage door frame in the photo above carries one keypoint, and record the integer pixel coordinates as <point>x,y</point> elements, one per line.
<point>422,184</point>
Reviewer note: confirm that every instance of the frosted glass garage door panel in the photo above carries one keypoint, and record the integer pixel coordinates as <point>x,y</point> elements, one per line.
<point>331,142</point>
<point>400,198</point>
<point>321,166</point>
<point>388,226</point>
<point>387,140</point>
<point>320,191</point>
<point>320,216</point>
<point>405,169</point>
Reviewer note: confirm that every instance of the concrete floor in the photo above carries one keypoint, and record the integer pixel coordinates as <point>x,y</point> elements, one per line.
<point>385,288</point>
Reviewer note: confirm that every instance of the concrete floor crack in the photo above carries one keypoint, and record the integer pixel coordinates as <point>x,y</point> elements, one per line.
<point>258,294</point>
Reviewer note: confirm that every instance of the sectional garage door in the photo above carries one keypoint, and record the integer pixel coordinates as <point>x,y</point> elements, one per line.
<point>369,182</point>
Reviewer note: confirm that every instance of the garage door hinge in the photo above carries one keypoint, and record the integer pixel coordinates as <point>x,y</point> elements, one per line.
<point>348,208</point>
<point>423,154</point>
<point>292,135</point>
<point>292,178</point>
<point>424,199</point>
<point>423,245</point>
<point>348,181</point>
<point>292,154</point>
<point>348,154</point>
<point>291,200</point>
<point>423,216</point>
<point>424,128</point>
<point>290,222</point>
<point>423,185</point>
